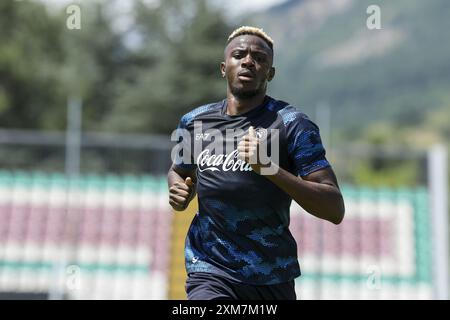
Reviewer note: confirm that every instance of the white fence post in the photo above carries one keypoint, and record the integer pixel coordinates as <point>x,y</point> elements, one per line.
<point>438,186</point>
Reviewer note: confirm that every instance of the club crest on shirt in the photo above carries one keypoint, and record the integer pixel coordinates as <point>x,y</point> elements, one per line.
<point>261,133</point>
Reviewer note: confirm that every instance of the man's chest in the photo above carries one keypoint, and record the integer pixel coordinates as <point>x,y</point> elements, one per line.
<point>215,142</point>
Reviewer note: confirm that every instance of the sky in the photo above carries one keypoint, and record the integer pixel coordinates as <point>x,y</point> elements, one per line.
<point>233,7</point>
<point>122,20</point>
<point>121,8</point>
<point>237,7</point>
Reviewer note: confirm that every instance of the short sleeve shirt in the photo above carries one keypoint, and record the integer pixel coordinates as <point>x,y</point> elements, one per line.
<point>241,230</point>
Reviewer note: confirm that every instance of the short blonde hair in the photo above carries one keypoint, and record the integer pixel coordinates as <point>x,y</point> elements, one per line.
<point>251,31</point>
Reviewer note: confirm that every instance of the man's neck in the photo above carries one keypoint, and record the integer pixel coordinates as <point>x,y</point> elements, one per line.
<point>236,106</point>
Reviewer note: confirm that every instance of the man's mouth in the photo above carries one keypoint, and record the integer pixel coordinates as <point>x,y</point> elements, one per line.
<point>246,76</point>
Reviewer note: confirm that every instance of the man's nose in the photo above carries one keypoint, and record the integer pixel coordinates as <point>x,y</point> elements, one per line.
<point>247,61</point>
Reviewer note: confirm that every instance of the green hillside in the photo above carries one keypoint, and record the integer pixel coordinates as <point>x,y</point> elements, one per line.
<point>399,75</point>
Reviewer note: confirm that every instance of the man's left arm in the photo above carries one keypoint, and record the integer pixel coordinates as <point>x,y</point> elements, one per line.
<point>318,193</point>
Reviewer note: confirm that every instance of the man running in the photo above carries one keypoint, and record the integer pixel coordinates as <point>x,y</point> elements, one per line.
<point>239,245</point>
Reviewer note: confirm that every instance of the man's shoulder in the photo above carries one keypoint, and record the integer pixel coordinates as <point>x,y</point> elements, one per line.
<point>203,109</point>
<point>289,113</point>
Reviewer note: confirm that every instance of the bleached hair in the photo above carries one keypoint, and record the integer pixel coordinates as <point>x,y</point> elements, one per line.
<point>252,31</point>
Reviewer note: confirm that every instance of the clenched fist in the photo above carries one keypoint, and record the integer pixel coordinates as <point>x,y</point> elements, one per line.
<point>249,150</point>
<point>181,193</point>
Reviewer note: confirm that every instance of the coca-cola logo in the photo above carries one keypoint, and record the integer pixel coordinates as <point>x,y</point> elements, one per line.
<point>215,150</point>
<point>224,162</point>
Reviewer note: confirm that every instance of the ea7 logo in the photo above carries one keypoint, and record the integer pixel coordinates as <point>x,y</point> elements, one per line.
<point>201,136</point>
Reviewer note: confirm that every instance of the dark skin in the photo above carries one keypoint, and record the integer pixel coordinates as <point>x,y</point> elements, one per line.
<point>181,187</point>
<point>248,68</point>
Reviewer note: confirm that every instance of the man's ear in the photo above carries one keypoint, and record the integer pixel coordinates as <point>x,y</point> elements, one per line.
<point>271,74</point>
<point>222,69</point>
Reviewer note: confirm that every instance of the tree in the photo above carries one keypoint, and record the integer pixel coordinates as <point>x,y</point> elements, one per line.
<point>30,56</point>
<point>186,39</point>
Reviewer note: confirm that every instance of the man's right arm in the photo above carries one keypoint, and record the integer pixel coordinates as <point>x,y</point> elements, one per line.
<point>181,187</point>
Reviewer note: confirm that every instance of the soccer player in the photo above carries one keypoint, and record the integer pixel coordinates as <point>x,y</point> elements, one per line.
<point>239,245</point>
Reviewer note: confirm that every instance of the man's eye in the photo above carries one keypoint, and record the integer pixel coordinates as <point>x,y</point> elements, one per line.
<point>237,55</point>
<point>260,58</point>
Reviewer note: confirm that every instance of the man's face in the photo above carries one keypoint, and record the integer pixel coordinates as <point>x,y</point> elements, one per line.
<point>247,66</point>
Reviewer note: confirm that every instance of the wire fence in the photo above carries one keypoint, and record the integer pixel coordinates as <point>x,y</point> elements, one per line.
<point>99,152</point>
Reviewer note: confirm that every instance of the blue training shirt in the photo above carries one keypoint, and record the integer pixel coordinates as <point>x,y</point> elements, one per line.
<point>241,230</point>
